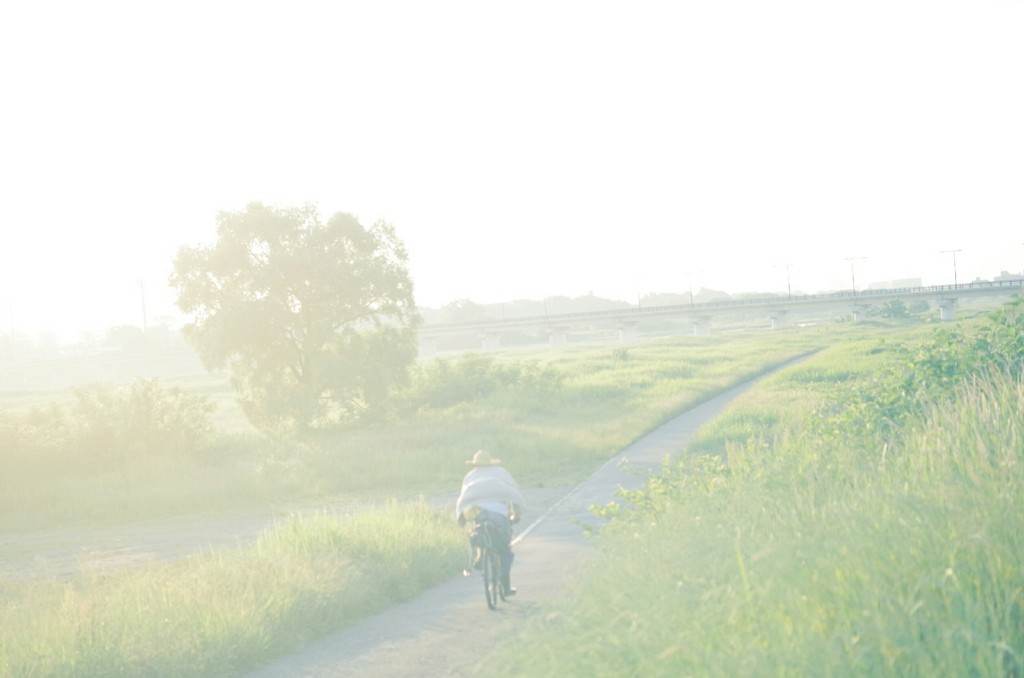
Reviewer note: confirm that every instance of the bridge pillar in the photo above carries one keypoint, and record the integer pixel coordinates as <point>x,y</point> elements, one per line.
<point>558,336</point>
<point>779,319</point>
<point>702,326</point>
<point>858,311</point>
<point>627,331</point>
<point>947,309</point>
<point>428,346</point>
<point>490,341</point>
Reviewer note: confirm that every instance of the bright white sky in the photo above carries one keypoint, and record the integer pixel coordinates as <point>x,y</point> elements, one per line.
<point>521,150</point>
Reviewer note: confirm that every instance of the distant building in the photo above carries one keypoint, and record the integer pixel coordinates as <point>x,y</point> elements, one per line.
<point>1008,277</point>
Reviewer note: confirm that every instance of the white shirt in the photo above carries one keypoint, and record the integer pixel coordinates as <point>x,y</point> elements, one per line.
<point>488,485</point>
<point>500,507</point>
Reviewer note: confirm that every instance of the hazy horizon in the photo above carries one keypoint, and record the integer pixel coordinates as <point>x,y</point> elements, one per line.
<point>99,334</point>
<point>520,152</point>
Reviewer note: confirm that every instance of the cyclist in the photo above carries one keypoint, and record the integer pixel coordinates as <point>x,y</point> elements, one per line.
<point>490,493</point>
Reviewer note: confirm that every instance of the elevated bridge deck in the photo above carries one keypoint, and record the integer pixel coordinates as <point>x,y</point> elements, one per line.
<point>777,308</point>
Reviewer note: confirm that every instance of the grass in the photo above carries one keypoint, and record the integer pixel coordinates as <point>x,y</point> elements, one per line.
<point>222,613</point>
<point>603,398</point>
<point>778,551</point>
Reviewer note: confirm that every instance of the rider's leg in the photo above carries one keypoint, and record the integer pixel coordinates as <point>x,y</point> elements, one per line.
<point>506,570</point>
<point>475,552</point>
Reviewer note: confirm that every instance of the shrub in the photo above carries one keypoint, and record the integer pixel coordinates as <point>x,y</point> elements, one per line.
<point>140,420</point>
<point>894,308</point>
<point>445,383</point>
<point>106,425</point>
<point>932,370</point>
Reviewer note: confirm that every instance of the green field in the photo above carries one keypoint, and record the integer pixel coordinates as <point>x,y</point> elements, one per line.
<point>98,454</point>
<point>799,531</point>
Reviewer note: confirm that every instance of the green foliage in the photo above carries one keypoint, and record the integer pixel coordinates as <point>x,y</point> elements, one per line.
<point>443,383</point>
<point>105,427</point>
<point>928,371</point>
<point>1002,342</point>
<point>620,353</point>
<point>143,419</point>
<point>677,484</point>
<point>223,613</point>
<point>896,552</point>
<point>893,308</point>
<point>315,322</point>
<point>918,307</point>
<point>552,415</point>
<point>131,450</point>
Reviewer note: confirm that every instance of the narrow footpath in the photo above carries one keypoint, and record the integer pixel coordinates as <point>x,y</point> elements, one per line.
<point>445,631</point>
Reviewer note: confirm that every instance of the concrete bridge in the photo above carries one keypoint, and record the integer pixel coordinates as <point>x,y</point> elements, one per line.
<point>779,310</point>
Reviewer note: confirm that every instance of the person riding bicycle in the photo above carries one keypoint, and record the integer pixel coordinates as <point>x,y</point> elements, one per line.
<point>490,493</point>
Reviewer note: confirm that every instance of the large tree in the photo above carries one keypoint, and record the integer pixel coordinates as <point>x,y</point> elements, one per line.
<point>315,322</point>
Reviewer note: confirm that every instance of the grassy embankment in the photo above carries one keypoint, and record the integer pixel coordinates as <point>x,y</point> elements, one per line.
<point>552,416</point>
<point>858,515</point>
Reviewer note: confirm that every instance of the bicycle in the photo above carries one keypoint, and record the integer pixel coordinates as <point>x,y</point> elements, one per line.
<point>487,547</point>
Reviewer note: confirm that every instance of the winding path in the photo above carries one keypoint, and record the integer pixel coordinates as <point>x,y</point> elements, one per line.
<point>443,632</point>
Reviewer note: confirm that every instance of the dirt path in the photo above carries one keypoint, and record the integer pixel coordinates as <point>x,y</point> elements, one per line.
<point>444,631</point>
<point>74,551</point>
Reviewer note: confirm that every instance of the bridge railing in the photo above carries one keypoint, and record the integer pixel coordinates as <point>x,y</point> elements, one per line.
<point>707,306</point>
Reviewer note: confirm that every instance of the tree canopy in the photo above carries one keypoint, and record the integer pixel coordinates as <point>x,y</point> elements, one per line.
<point>315,322</point>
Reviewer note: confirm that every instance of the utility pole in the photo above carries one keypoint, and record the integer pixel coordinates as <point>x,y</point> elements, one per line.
<point>953,252</point>
<point>853,278</point>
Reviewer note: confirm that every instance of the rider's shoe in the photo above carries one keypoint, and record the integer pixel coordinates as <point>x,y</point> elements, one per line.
<point>509,591</point>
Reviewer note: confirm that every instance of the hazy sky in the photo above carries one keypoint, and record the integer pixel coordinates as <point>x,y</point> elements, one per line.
<point>520,149</point>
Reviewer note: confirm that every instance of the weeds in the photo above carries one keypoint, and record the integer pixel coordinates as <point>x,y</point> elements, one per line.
<point>552,416</point>
<point>223,613</point>
<point>793,547</point>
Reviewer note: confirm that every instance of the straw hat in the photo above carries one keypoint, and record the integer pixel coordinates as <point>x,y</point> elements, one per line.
<point>483,458</point>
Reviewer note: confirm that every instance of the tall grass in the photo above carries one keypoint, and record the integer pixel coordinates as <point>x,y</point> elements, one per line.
<point>783,551</point>
<point>222,613</point>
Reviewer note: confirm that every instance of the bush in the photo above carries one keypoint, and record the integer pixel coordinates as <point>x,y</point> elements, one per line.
<point>445,383</point>
<point>107,426</point>
<point>141,420</point>
<point>894,308</point>
<point>930,371</point>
